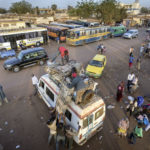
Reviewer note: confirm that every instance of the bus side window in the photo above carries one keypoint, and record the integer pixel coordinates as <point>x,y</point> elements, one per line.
<point>68,115</point>
<point>99,113</point>
<point>90,32</point>
<point>50,94</point>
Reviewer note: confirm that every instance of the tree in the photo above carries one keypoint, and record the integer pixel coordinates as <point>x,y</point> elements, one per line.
<point>145,10</point>
<point>85,8</point>
<point>3,11</point>
<point>69,7</point>
<point>109,11</point>
<point>21,7</point>
<point>54,7</point>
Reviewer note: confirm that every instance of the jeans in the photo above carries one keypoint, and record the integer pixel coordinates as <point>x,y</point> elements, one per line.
<point>69,142</point>
<point>35,90</point>
<point>50,137</point>
<point>58,139</point>
<point>132,138</point>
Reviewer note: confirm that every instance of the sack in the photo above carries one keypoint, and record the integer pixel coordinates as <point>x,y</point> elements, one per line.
<point>140,101</point>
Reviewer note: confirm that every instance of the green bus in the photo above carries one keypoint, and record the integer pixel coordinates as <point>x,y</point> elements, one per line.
<point>117,31</point>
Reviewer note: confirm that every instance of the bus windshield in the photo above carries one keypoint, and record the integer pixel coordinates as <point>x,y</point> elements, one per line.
<point>20,56</point>
<point>96,63</point>
<point>70,35</point>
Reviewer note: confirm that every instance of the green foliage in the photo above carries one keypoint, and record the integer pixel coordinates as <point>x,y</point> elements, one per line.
<point>69,7</point>
<point>72,12</point>
<point>3,11</point>
<point>107,11</point>
<point>145,10</point>
<point>21,7</point>
<point>85,8</point>
<point>54,7</point>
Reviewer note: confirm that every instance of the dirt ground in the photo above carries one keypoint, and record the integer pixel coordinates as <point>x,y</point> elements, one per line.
<point>23,119</point>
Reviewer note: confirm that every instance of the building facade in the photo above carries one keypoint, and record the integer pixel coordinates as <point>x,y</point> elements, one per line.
<point>11,24</point>
<point>132,9</point>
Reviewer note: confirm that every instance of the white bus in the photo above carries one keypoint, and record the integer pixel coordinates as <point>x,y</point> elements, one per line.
<point>12,39</point>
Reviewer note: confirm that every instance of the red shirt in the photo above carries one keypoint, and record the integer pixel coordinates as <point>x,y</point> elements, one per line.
<point>62,51</point>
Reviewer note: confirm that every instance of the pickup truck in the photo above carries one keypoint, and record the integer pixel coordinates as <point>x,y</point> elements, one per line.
<point>6,54</point>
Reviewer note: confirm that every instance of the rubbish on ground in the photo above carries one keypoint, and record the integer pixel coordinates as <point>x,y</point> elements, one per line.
<point>121,107</point>
<point>1,129</point>
<point>11,131</point>
<point>42,118</point>
<point>6,123</point>
<point>126,102</point>
<point>110,107</point>
<point>18,146</point>
<point>88,146</point>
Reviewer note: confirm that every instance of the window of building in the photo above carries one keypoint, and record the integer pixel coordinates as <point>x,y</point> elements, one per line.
<point>5,25</point>
<point>50,94</point>
<point>99,113</point>
<point>68,115</point>
<point>13,24</point>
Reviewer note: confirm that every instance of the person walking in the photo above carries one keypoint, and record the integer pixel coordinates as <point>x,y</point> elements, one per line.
<point>51,124</point>
<point>141,50</point>
<point>120,90</point>
<point>138,132</point>
<point>2,96</point>
<point>131,51</point>
<point>138,64</point>
<point>60,136</point>
<point>34,83</point>
<point>131,58</point>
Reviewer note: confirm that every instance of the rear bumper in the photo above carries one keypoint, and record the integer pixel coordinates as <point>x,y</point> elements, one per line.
<point>93,75</point>
<point>98,129</point>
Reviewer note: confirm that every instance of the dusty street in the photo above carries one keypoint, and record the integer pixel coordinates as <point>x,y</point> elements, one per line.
<point>26,115</point>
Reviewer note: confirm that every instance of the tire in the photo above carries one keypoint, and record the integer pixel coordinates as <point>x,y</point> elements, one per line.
<point>16,69</point>
<point>87,95</point>
<point>38,44</point>
<point>41,62</point>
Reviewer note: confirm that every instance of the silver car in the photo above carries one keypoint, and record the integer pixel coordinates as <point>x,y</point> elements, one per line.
<point>131,34</point>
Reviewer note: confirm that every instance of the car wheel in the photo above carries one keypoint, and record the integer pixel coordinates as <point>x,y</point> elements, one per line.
<point>41,62</point>
<point>16,69</point>
<point>38,44</point>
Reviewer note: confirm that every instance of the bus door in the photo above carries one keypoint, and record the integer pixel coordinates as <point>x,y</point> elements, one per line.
<point>13,43</point>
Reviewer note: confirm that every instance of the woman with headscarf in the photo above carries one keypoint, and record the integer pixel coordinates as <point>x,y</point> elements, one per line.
<point>120,90</point>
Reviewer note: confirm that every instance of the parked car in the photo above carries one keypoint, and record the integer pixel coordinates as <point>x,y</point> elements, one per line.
<point>148,30</point>
<point>26,58</point>
<point>6,54</point>
<point>133,33</point>
<point>96,66</point>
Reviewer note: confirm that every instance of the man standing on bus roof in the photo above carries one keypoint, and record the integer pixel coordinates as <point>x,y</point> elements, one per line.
<point>64,54</point>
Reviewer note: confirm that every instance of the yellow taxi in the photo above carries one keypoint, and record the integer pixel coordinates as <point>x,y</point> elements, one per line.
<point>96,66</point>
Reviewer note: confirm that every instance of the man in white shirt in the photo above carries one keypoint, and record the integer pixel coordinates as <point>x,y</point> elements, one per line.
<point>34,83</point>
<point>130,78</point>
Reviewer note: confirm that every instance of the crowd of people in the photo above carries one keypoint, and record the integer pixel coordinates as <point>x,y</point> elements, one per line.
<point>135,107</point>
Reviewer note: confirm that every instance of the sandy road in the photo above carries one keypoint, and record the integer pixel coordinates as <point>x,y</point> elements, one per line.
<point>27,117</point>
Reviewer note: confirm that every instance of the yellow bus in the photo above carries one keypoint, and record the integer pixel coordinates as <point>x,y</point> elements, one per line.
<point>12,39</point>
<point>81,36</point>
